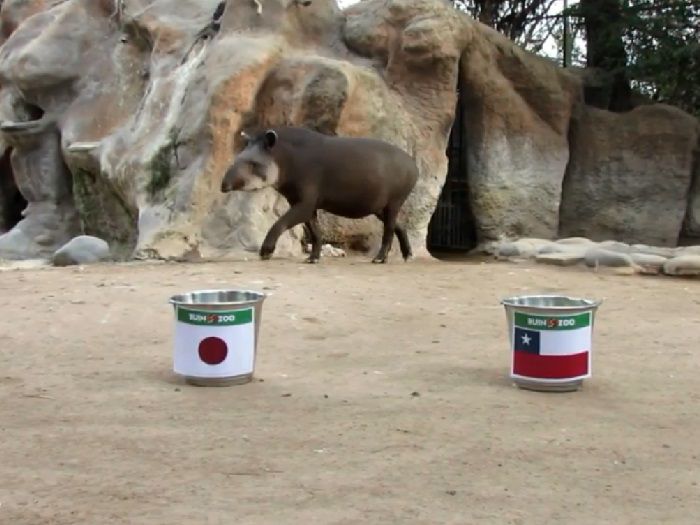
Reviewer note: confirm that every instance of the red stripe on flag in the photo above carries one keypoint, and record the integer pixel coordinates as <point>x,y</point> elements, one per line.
<point>550,366</point>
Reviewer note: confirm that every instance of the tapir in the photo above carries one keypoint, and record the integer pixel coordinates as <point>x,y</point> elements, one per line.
<point>350,177</point>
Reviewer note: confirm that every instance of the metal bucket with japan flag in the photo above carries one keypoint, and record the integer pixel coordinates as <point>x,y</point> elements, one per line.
<point>216,336</point>
<point>551,340</point>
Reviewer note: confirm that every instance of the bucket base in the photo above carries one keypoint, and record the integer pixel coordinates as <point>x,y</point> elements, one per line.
<point>218,381</point>
<point>537,386</point>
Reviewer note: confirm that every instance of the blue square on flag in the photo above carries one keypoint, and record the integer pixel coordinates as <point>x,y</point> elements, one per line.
<point>526,341</point>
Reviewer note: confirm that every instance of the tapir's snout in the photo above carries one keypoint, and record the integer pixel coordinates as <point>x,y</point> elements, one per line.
<point>230,182</point>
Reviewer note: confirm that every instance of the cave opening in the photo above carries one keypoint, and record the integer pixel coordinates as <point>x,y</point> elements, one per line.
<point>33,112</point>
<point>12,203</point>
<point>452,229</point>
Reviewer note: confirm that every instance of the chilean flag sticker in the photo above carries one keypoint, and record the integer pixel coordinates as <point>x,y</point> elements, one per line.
<point>551,348</point>
<point>211,344</point>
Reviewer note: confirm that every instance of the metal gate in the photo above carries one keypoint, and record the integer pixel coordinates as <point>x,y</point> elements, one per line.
<point>452,225</point>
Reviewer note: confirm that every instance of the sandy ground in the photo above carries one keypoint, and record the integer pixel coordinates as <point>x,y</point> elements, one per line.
<point>381,396</point>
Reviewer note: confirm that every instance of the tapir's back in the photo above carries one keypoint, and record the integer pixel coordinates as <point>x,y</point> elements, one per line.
<point>354,157</point>
<point>352,177</point>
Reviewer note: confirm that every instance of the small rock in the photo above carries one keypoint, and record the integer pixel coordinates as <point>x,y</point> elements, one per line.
<point>629,270</point>
<point>567,241</point>
<point>649,261</point>
<point>560,259</point>
<point>688,250</point>
<point>534,241</point>
<point>578,249</point>
<point>653,250</point>
<point>415,394</point>
<point>286,395</point>
<point>328,250</point>
<point>526,248</point>
<point>683,265</point>
<point>601,257</point>
<point>81,250</point>
<point>507,249</point>
<point>615,246</point>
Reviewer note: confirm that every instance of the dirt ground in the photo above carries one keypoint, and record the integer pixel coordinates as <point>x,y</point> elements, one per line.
<point>381,396</point>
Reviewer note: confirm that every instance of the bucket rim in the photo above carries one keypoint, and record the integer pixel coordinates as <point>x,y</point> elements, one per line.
<point>259,297</point>
<point>584,303</point>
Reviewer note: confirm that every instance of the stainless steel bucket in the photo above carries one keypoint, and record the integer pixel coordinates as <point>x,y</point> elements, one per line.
<point>216,336</point>
<point>550,341</point>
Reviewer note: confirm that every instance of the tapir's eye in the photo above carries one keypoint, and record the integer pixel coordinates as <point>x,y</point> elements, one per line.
<point>257,169</point>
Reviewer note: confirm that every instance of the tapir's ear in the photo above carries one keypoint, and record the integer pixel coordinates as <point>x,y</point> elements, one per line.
<point>270,139</point>
<point>245,137</point>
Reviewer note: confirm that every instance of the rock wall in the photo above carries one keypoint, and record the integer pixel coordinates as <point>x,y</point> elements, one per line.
<point>630,175</point>
<point>121,116</point>
<point>518,108</point>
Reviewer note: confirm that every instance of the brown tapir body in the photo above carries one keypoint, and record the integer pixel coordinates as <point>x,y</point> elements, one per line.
<point>349,177</point>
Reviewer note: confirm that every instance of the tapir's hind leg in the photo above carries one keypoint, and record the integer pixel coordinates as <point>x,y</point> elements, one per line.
<point>403,242</point>
<point>389,218</point>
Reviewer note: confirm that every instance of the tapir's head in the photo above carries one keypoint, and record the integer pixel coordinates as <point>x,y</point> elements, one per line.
<point>255,167</point>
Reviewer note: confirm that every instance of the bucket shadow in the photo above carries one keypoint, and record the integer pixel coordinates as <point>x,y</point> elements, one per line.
<point>485,376</point>
<point>164,376</point>
<point>457,376</point>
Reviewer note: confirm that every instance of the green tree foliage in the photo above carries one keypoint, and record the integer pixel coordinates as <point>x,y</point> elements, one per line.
<point>662,39</point>
<point>651,47</point>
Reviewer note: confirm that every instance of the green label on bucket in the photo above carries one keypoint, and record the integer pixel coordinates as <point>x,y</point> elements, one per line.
<point>209,318</point>
<point>541,322</point>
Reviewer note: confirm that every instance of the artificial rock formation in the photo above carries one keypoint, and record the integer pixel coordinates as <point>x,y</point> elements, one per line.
<point>518,108</point>
<point>121,116</point>
<point>150,97</point>
<point>630,175</point>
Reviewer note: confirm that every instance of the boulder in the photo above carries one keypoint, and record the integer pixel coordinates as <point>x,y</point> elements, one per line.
<point>626,167</point>
<point>82,250</point>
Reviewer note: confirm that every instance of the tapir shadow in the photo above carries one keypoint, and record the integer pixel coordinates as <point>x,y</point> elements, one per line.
<point>484,376</point>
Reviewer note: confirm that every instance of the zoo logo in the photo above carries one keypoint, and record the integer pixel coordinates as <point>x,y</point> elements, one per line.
<point>212,318</point>
<point>560,323</point>
<point>552,323</point>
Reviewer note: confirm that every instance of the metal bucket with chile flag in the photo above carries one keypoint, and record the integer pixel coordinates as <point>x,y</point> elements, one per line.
<point>550,340</point>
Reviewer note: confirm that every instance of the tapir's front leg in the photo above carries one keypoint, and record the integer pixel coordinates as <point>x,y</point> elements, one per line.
<point>315,235</point>
<point>297,214</point>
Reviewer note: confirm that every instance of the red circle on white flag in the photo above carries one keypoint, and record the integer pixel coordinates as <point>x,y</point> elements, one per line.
<point>213,351</point>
